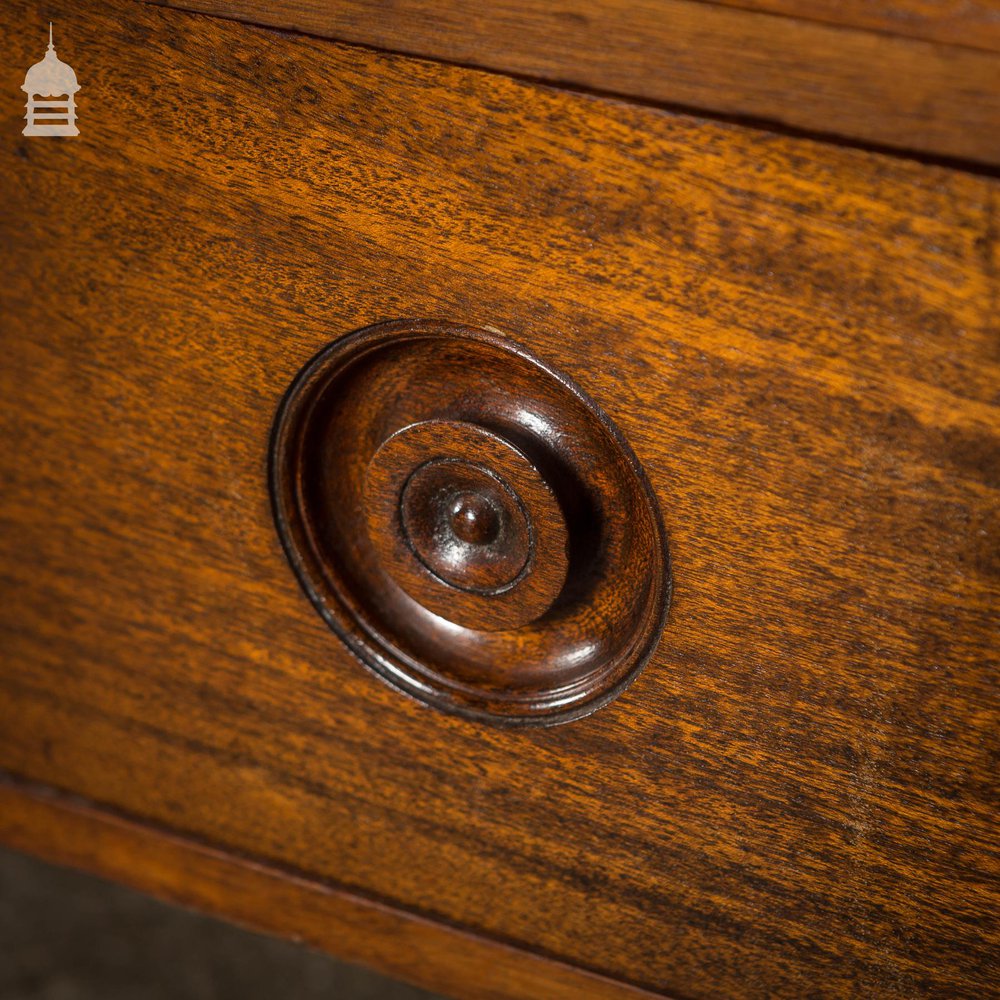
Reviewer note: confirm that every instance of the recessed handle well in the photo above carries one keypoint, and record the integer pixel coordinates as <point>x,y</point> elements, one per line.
<point>469,522</point>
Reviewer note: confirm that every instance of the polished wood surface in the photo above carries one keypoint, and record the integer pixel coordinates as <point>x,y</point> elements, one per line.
<point>866,86</point>
<point>797,795</point>
<point>975,23</point>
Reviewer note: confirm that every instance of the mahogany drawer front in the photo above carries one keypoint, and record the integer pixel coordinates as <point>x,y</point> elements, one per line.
<point>794,797</point>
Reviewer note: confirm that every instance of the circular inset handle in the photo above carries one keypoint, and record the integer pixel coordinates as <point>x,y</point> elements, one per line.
<point>473,527</point>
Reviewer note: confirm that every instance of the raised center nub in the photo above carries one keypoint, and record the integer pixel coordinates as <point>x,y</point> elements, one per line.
<point>474,519</point>
<point>466,525</point>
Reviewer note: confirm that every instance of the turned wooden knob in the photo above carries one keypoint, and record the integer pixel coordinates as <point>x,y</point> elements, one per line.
<point>469,522</point>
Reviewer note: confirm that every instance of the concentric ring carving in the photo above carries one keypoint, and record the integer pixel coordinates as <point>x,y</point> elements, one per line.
<point>469,522</point>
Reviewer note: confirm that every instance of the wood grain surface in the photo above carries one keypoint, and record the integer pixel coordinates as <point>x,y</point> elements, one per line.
<point>905,93</point>
<point>975,23</point>
<point>284,902</point>
<point>797,797</point>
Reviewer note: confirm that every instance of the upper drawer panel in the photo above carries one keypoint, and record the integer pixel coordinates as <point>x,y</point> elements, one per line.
<point>900,85</point>
<point>796,340</point>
